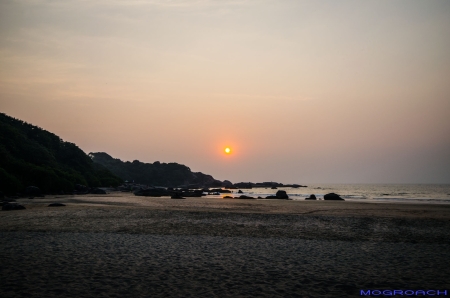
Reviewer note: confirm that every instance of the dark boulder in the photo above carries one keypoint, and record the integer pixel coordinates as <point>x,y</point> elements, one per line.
<point>281,194</point>
<point>246,197</point>
<point>33,191</point>
<point>152,192</point>
<point>177,195</point>
<point>81,187</point>
<point>240,191</point>
<point>332,197</point>
<point>12,206</point>
<point>219,190</point>
<point>193,194</point>
<point>273,187</point>
<point>98,191</point>
<point>311,197</point>
<point>56,205</point>
<point>271,197</point>
<point>227,197</point>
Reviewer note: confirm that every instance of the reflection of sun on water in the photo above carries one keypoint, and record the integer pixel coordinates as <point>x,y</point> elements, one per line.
<point>227,150</point>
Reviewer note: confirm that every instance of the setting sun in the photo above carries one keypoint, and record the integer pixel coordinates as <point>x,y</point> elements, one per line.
<point>227,150</point>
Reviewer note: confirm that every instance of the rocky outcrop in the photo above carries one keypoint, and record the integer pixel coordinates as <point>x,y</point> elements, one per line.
<point>311,197</point>
<point>56,205</point>
<point>177,195</point>
<point>219,190</point>
<point>98,191</point>
<point>227,183</point>
<point>273,185</point>
<point>332,197</point>
<point>33,191</point>
<point>192,194</point>
<point>244,197</point>
<point>245,185</point>
<point>271,197</point>
<point>281,194</point>
<point>152,192</point>
<point>81,189</point>
<point>12,206</point>
<point>157,173</point>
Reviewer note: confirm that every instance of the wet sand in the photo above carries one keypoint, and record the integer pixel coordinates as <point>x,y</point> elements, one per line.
<point>120,245</point>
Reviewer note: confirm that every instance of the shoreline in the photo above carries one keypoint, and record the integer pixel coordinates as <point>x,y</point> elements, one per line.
<point>324,220</point>
<point>120,245</point>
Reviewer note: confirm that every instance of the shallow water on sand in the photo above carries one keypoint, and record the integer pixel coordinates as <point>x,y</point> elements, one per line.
<point>423,193</point>
<point>35,264</point>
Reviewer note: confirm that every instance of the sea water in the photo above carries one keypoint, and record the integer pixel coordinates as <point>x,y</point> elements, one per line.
<point>420,193</point>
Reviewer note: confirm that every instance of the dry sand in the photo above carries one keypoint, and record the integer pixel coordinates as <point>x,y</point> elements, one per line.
<point>119,245</point>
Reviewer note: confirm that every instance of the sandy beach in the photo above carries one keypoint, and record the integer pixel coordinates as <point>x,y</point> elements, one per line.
<point>120,245</point>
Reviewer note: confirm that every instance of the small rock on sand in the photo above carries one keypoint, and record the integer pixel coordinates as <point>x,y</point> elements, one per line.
<point>56,205</point>
<point>311,197</point>
<point>332,196</point>
<point>12,206</point>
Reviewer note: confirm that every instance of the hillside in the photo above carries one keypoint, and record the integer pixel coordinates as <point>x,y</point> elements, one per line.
<point>156,174</point>
<point>33,156</point>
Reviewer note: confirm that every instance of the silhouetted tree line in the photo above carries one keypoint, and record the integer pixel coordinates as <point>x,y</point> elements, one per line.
<point>156,174</point>
<point>33,156</point>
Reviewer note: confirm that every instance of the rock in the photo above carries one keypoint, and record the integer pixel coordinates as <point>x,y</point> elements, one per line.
<point>219,190</point>
<point>281,194</point>
<point>152,192</point>
<point>260,197</point>
<point>245,185</point>
<point>215,183</point>
<point>227,183</point>
<point>311,197</point>
<point>33,191</point>
<point>246,197</point>
<point>177,195</point>
<point>98,191</point>
<point>193,194</point>
<point>271,197</point>
<point>80,187</point>
<point>228,197</point>
<point>333,197</point>
<point>273,187</point>
<point>240,191</point>
<point>56,205</point>
<point>12,206</point>
<point>1,195</point>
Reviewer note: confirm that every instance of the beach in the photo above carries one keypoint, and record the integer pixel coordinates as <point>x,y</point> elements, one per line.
<point>120,245</point>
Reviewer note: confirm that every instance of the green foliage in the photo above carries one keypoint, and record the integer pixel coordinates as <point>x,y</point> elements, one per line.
<point>33,156</point>
<point>8,182</point>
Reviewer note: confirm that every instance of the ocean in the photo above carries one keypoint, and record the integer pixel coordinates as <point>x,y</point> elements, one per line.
<point>412,193</point>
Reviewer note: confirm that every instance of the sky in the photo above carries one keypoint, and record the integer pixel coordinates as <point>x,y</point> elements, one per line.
<point>301,91</point>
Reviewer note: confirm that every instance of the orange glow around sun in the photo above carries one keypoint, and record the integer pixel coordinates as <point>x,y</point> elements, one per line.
<point>227,150</point>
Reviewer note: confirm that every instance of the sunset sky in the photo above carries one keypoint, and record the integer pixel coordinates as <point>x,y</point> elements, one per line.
<point>301,91</point>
